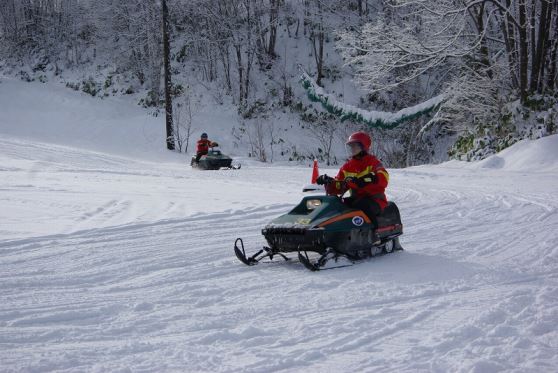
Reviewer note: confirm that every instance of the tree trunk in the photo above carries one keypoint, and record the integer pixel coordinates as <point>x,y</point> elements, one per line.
<point>247,77</point>
<point>523,51</point>
<point>168,84</point>
<point>533,40</point>
<point>273,17</point>
<point>319,55</point>
<point>16,28</point>
<point>225,60</point>
<point>317,37</point>
<point>553,55</point>
<point>238,49</point>
<point>509,40</point>
<point>484,53</point>
<point>250,51</point>
<point>540,53</point>
<point>546,49</point>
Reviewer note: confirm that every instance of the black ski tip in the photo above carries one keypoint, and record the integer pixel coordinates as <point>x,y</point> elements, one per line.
<point>243,258</point>
<point>241,254</point>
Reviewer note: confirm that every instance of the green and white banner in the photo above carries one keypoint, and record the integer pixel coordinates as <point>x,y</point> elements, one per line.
<point>379,119</point>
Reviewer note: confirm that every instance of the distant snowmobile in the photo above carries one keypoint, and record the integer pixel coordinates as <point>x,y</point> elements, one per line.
<point>214,160</point>
<point>325,225</point>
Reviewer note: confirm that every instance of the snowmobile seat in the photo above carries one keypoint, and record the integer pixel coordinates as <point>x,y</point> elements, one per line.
<point>389,216</point>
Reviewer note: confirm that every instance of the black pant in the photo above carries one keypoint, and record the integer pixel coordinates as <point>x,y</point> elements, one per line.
<point>199,155</point>
<point>368,205</point>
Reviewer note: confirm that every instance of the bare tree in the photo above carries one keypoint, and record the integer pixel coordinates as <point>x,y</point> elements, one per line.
<point>317,33</point>
<point>256,133</point>
<point>324,130</point>
<point>42,32</point>
<point>134,29</point>
<point>272,132</point>
<point>183,121</point>
<point>229,37</point>
<point>444,37</point>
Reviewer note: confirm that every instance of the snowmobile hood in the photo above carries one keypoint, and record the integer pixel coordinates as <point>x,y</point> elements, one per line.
<point>216,154</point>
<point>320,212</point>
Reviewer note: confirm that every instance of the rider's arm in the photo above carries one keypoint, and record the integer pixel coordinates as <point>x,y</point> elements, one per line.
<point>337,186</point>
<point>382,176</point>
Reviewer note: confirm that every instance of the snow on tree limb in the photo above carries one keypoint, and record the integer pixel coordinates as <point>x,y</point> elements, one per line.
<point>379,119</point>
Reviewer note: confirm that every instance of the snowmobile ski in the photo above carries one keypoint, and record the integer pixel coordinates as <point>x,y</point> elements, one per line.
<point>263,253</point>
<point>319,265</point>
<point>322,263</point>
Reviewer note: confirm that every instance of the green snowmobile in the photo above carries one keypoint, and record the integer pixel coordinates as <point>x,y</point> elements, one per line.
<point>214,160</point>
<point>325,225</point>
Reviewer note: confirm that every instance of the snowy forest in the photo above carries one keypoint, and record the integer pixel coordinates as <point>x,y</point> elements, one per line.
<point>493,63</point>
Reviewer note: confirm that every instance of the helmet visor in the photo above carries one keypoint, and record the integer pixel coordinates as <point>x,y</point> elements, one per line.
<point>353,148</point>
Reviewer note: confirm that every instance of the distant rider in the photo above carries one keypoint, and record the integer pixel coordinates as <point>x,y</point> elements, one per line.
<point>364,175</point>
<point>203,145</point>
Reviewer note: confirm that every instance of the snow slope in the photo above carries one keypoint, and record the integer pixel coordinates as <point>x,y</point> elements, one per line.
<point>53,113</point>
<point>526,155</point>
<point>110,261</point>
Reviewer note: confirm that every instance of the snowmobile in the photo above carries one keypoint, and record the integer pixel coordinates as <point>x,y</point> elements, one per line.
<point>323,224</point>
<point>214,160</point>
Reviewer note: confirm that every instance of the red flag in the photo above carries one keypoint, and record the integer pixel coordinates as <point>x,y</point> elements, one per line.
<point>315,172</point>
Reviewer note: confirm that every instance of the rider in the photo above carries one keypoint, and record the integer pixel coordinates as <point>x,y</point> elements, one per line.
<point>364,175</point>
<point>203,145</point>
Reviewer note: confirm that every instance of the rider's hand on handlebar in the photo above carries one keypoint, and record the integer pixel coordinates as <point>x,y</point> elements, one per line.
<point>354,181</point>
<point>361,182</point>
<point>324,180</point>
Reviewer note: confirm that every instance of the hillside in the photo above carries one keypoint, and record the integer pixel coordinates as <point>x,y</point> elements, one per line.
<point>115,256</point>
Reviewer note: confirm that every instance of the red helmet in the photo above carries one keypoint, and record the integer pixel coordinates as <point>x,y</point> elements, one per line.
<point>362,138</point>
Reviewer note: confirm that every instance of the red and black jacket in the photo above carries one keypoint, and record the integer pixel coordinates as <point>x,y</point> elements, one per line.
<point>202,146</point>
<point>372,175</point>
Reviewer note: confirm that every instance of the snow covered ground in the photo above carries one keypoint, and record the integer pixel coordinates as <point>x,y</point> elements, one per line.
<point>114,259</point>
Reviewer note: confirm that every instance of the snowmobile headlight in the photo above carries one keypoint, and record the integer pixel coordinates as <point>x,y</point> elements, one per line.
<point>311,204</point>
